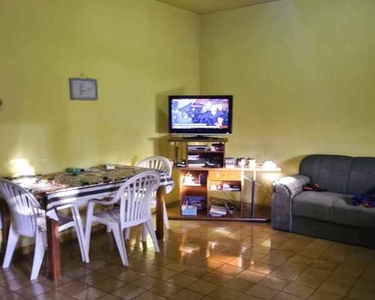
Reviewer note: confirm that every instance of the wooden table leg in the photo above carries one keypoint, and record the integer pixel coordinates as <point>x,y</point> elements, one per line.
<point>160,213</point>
<point>53,240</point>
<point>5,222</point>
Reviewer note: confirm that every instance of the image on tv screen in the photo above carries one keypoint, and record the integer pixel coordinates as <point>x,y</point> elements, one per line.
<point>200,113</point>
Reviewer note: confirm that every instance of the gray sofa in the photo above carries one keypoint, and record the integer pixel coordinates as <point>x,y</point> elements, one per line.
<point>329,214</point>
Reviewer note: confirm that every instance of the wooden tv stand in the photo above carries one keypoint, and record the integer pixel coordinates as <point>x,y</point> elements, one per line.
<point>199,183</point>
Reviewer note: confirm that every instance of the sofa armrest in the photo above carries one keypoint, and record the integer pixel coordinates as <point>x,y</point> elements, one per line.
<point>290,185</point>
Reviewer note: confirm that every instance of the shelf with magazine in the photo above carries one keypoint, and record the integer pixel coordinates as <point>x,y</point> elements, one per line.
<point>209,189</point>
<point>204,191</point>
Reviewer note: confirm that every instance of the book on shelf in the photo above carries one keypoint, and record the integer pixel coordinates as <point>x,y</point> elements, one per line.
<point>217,211</point>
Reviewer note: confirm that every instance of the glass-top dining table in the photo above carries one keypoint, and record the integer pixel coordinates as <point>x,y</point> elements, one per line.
<point>60,189</point>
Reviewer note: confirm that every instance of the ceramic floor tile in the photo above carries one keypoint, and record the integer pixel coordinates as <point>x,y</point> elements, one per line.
<point>182,280</point>
<point>94,278</point>
<point>197,272</point>
<point>323,295</point>
<point>149,296</point>
<point>203,260</point>
<point>72,288</point>
<point>285,296</point>
<point>299,290</point>
<point>262,292</point>
<point>251,276</point>
<point>109,297</point>
<point>318,273</point>
<point>109,285</point>
<point>186,294</point>
<point>128,276</point>
<point>33,290</point>
<point>129,292</point>
<point>274,282</point>
<point>366,285</point>
<point>247,297</point>
<point>239,284</point>
<point>300,259</point>
<point>176,266</point>
<point>289,271</point>
<point>89,294</point>
<point>203,287</point>
<point>224,293</point>
<point>308,280</point>
<point>229,270</point>
<point>217,278</point>
<point>241,262</point>
<point>324,264</point>
<point>162,273</point>
<point>50,295</point>
<point>359,294</point>
<point>146,282</point>
<point>335,288</point>
<point>262,268</point>
<point>165,289</point>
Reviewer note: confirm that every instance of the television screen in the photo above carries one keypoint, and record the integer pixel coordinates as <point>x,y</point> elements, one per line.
<point>198,115</point>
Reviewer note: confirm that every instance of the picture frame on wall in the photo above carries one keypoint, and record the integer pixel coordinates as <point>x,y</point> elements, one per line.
<point>83,89</point>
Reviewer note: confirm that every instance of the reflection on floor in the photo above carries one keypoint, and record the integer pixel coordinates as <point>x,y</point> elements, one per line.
<point>205,260</point>
<point>260,211</point>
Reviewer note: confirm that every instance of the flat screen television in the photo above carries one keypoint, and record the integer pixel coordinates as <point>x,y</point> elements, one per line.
<point>200,115</point>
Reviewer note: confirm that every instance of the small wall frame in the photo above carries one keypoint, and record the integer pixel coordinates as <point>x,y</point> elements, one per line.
<point>83,89</point>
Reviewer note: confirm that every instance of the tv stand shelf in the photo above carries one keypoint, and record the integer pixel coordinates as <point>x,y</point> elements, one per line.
<point>205,182</point>
<point>202,151</point>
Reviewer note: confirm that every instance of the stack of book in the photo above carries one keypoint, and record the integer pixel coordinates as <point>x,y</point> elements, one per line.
<point>217,211</point>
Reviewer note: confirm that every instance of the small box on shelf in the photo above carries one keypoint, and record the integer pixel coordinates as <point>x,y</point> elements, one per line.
<point>188,210</point>
<point>198,201</point>
<point>217,211</point>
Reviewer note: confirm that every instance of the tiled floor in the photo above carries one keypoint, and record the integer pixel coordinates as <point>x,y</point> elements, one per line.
<point>205,260</point>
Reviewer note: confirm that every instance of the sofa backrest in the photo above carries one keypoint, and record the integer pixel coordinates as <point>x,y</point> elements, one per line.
<point>362,176</point>
<point>329,171</point>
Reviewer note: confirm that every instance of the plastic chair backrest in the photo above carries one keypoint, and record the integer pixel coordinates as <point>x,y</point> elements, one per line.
<point>157,163</point>
<point>134,197</point>
<point>24,208</point>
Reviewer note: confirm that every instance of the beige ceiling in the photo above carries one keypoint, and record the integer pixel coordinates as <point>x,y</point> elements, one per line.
<point>209,6</point>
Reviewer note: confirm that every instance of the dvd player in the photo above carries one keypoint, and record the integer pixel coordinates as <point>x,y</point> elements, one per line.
<point>197,148</point>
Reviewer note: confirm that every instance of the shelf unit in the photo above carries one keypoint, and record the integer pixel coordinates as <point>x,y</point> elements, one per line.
<point>197,184</point>
<point>199,181</point>
<point>204,175</point>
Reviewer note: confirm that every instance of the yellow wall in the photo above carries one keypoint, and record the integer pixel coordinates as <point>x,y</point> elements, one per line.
<point>300,72</point>
<point>139,51</point>
<point>302,75</point>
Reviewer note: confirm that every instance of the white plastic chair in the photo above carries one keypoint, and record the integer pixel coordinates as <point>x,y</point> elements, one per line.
<point>158,163</point>
<point>134,209</point>
<point>29,220</point>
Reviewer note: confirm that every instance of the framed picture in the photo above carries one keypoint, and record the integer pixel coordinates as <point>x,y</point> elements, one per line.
<point>83,89</point>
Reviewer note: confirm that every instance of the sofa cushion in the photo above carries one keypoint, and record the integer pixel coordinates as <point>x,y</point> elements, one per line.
<point>362,176</point>
<point>315,205</point>
<point>329,171</point>
<point>343,212</point>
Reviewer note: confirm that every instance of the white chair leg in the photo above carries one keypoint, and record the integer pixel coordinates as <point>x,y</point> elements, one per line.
<point>108,230</point>
<point>144,232</point>
<point>120,242</point>
<point>80,234</point>
<point>89,217</point>
<point>40,247</point>
<point>127,233</point>
<point>165,216</point>
<point>151,231</point>
<point>11,246</point>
